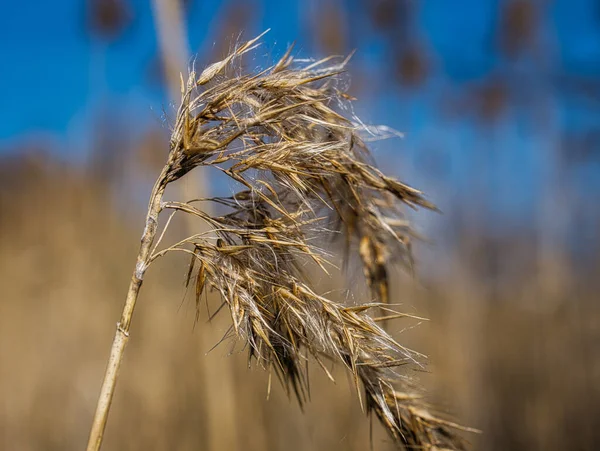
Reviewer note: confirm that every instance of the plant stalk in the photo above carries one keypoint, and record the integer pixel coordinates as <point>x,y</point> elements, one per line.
<point>122,333</point>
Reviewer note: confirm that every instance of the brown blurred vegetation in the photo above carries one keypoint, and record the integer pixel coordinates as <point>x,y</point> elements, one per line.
<point>513,353</point>
<point>67,245</point>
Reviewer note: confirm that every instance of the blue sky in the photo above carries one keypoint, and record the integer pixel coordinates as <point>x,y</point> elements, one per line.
<point>49,59</point>
<point>55,77</point>
<point>51,64</point>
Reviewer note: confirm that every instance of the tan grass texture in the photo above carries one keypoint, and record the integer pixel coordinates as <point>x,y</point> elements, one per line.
<point>304,172</point>
<point>520,363</point>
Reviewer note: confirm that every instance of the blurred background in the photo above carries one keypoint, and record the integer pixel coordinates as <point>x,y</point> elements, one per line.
<point>500,103</point>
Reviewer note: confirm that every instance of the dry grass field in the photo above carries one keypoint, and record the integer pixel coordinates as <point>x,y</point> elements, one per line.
<point>518,360</point>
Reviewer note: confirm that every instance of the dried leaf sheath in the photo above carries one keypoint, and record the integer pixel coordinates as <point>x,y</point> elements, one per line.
<point>304,172</point>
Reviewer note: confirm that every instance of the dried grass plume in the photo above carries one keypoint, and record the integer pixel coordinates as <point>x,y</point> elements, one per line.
<point>304,173</point>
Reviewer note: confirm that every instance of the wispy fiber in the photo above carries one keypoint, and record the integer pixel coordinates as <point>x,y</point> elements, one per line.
<point>304,171</point>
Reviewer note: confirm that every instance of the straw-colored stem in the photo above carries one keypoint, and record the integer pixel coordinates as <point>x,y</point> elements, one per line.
<point>122,333</point>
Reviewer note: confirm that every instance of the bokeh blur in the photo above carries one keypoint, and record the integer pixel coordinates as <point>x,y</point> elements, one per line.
<point>500,104</point>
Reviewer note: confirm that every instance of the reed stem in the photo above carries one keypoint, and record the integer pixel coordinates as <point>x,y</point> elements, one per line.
<point>122,333</point>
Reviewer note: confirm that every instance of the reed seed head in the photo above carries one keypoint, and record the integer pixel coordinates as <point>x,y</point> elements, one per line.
<point>286,135</point>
